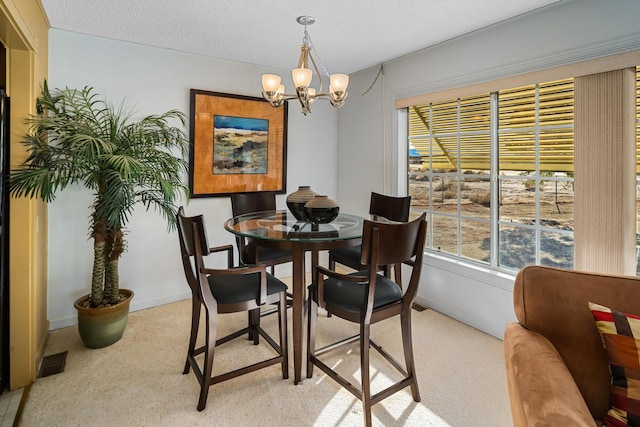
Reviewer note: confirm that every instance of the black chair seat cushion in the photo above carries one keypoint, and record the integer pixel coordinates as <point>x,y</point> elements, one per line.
<point>349,296</point>
<point>265,254</point>
<point>246,287</point>
<point>350,254</point>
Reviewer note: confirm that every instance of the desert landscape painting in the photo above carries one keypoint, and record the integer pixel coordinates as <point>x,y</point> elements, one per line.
<point>240,145</point>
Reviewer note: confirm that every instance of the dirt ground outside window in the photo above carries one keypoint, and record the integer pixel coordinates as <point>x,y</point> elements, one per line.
<point>517,207</point>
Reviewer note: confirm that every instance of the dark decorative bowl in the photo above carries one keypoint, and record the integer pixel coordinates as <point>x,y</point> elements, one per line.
<point>322,215</point>
<point>297,200</point>
<point>322,210</point>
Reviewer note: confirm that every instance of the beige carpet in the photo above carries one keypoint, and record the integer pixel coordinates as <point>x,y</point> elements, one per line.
<point>138,381</point>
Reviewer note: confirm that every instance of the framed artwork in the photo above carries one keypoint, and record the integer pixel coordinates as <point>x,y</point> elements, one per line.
<point>238,144</point>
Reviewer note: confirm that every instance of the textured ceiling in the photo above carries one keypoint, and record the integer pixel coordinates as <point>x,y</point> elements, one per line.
<point>349,35</point>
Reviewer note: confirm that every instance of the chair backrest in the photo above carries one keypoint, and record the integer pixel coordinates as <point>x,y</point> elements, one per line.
<point>191,231</point>
<point>395,243</point>
<point>390,207</point>
<point>242,203</point>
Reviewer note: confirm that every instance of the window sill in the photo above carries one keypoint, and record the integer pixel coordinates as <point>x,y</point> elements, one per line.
<point>471,270</point>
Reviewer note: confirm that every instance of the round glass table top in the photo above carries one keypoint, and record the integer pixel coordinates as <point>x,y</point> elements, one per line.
<point>282,225</point>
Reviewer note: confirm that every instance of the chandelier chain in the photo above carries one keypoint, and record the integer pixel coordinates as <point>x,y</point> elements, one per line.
<point>309,42</point>
<point>366,92</point>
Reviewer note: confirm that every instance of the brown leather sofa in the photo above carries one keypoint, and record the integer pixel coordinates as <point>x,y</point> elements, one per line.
<point>557,371</point>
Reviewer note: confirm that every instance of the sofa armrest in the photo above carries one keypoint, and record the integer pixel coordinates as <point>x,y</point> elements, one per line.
<point>541,389</point>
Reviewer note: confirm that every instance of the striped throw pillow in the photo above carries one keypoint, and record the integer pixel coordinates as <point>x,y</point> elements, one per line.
<point>620,335</point>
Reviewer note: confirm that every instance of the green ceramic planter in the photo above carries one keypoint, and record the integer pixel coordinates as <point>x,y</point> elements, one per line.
<point>101,327</point>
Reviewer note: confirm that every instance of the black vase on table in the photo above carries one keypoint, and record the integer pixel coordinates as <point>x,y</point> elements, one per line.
<point>297,200</point>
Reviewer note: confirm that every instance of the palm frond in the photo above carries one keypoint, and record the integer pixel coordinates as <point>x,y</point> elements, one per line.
<point>77,137</point>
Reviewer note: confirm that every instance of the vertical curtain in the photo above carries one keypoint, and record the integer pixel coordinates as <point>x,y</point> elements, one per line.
<point>605,172</point>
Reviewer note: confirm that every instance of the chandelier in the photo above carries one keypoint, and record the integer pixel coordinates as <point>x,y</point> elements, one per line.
<point>274,92</point>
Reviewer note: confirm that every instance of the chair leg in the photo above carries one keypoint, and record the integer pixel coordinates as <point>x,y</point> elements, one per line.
<point>195,322</point>
<point>405,320</point>
<point>253,316</point>
<point>255,322</point>
<point>284,347</point>
<point>250,321</point>
<point>364,368</point>
<point>311,333</point>
<point>210,338</point>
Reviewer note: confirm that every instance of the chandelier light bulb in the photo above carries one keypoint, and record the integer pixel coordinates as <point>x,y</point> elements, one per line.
<point>311,92</point>
<point>270,82</point>
<point>301,78</point>
<point>338,84</point>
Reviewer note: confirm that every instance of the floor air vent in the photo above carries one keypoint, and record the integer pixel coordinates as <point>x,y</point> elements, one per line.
<point>52,364</point>
<point>418,307</point>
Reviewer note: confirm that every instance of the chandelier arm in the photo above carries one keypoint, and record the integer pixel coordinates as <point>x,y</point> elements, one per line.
<point>315,66</point>
<point>283,96</point>
<point>288,96</point>
<point>302,60</point>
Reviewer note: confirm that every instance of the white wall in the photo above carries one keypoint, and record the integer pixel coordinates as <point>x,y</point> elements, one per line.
<point>361,153</point>
<point>568,32</point>
<point>154,81</point>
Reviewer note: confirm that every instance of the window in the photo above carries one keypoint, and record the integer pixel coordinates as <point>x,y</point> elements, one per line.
<point>523,138</point>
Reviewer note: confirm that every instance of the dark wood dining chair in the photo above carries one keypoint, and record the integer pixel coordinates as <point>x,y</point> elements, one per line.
<point>227,290</point>
<point>380,206</point>
<point>249,252</point>
<point>367,297</point>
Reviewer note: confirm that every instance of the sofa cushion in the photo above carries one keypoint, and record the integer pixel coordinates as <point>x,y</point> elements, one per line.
<point>620,335</point>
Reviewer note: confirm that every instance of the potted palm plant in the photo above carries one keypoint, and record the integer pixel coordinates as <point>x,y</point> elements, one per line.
<point>77,137</point>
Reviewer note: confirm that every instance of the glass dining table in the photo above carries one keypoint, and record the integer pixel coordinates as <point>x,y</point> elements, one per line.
<point>280,230</point>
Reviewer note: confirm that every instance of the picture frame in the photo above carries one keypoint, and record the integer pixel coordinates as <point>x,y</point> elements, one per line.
<point>237,144</point>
